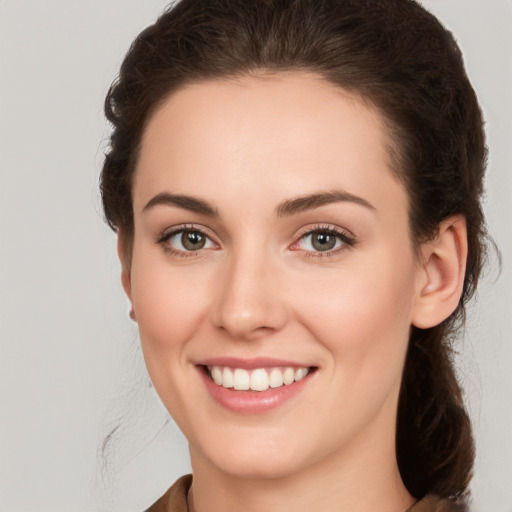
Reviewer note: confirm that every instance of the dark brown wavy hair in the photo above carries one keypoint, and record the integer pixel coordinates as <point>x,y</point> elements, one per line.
<point>399,58</point>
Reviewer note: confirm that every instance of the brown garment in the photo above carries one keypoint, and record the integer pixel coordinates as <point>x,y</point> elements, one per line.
<point>175,500</point>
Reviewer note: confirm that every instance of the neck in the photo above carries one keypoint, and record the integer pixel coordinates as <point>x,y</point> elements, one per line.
<point>363,478</point>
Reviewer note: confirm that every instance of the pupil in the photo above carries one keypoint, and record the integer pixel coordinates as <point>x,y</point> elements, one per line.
<point>192,240</point>
<point>324,241</point>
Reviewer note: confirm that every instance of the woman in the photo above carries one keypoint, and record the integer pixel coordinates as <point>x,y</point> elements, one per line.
<point>295,186</point>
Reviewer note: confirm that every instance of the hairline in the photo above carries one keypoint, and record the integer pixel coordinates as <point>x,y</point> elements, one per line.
<point>390,129</point>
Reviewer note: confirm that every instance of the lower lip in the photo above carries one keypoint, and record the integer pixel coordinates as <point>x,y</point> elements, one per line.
<point>253,402</point>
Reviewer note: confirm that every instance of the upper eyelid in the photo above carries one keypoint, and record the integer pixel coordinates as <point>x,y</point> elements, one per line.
<point>346,237</point>
<point>167,233</point>
<point>173,230</point>
<point>164,237</point>
<point>324,227</point>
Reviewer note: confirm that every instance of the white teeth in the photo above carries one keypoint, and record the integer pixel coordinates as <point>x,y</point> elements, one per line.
<point>241,380</point>
<point>259,380</point>
<point>288,376</point>
<point>300,373</point>
<point>217,375</point>
<point>256,380</point>
<point>276,378</point>
<point>227,378</point>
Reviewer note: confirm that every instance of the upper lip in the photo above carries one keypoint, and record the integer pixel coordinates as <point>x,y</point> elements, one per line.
<point>251,364</point>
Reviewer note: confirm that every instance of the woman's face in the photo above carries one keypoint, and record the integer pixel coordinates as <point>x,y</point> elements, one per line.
<point>271,240</point>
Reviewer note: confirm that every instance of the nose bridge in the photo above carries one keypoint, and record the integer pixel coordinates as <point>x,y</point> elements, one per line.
<point>248,301</point>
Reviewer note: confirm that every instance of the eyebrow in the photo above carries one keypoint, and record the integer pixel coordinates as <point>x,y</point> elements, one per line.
<point>311,201</point>
<point>186,202</point>
<point>285,209</point>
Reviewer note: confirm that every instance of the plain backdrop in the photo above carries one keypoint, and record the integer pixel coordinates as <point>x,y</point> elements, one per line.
<point>70,366</point>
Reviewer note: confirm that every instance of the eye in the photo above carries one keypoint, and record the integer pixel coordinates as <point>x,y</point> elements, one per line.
<point>323,240</point>
<point>186,240</point>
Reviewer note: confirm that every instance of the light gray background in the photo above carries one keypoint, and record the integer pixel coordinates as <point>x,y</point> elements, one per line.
<point>69,359</point>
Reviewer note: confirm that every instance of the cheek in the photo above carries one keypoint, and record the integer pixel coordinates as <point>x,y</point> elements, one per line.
<point>170,304</point>
<point>362,313</point>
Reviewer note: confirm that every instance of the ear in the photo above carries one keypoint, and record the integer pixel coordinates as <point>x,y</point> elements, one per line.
<point>441,275</point>
<point>125,260</point>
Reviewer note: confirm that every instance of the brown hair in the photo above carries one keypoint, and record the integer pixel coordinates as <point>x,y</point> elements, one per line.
<point>397,56</point>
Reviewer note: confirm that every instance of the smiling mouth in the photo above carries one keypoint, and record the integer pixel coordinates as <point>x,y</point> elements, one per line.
<point>258,379</point>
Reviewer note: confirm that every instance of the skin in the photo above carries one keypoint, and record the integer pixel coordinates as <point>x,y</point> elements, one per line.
<point>259,288</point>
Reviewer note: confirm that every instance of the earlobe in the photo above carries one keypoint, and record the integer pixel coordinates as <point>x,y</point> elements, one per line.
<point>125,270</point>
<point>441,276</point>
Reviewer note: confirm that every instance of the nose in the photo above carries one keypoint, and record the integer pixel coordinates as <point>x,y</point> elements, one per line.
<point>250,299</point>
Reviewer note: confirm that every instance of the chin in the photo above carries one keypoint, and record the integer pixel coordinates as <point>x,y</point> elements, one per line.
<point>250,458</point>
<point>260,467</point>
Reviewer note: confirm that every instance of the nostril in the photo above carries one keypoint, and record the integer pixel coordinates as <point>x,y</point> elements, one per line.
<point>244,331</point>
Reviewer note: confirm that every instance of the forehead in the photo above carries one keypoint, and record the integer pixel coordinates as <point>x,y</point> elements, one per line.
<point>263,134</point>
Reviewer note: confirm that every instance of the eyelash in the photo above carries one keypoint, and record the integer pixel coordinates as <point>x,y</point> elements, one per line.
<point>347,241</point>
<point>165,236</point>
